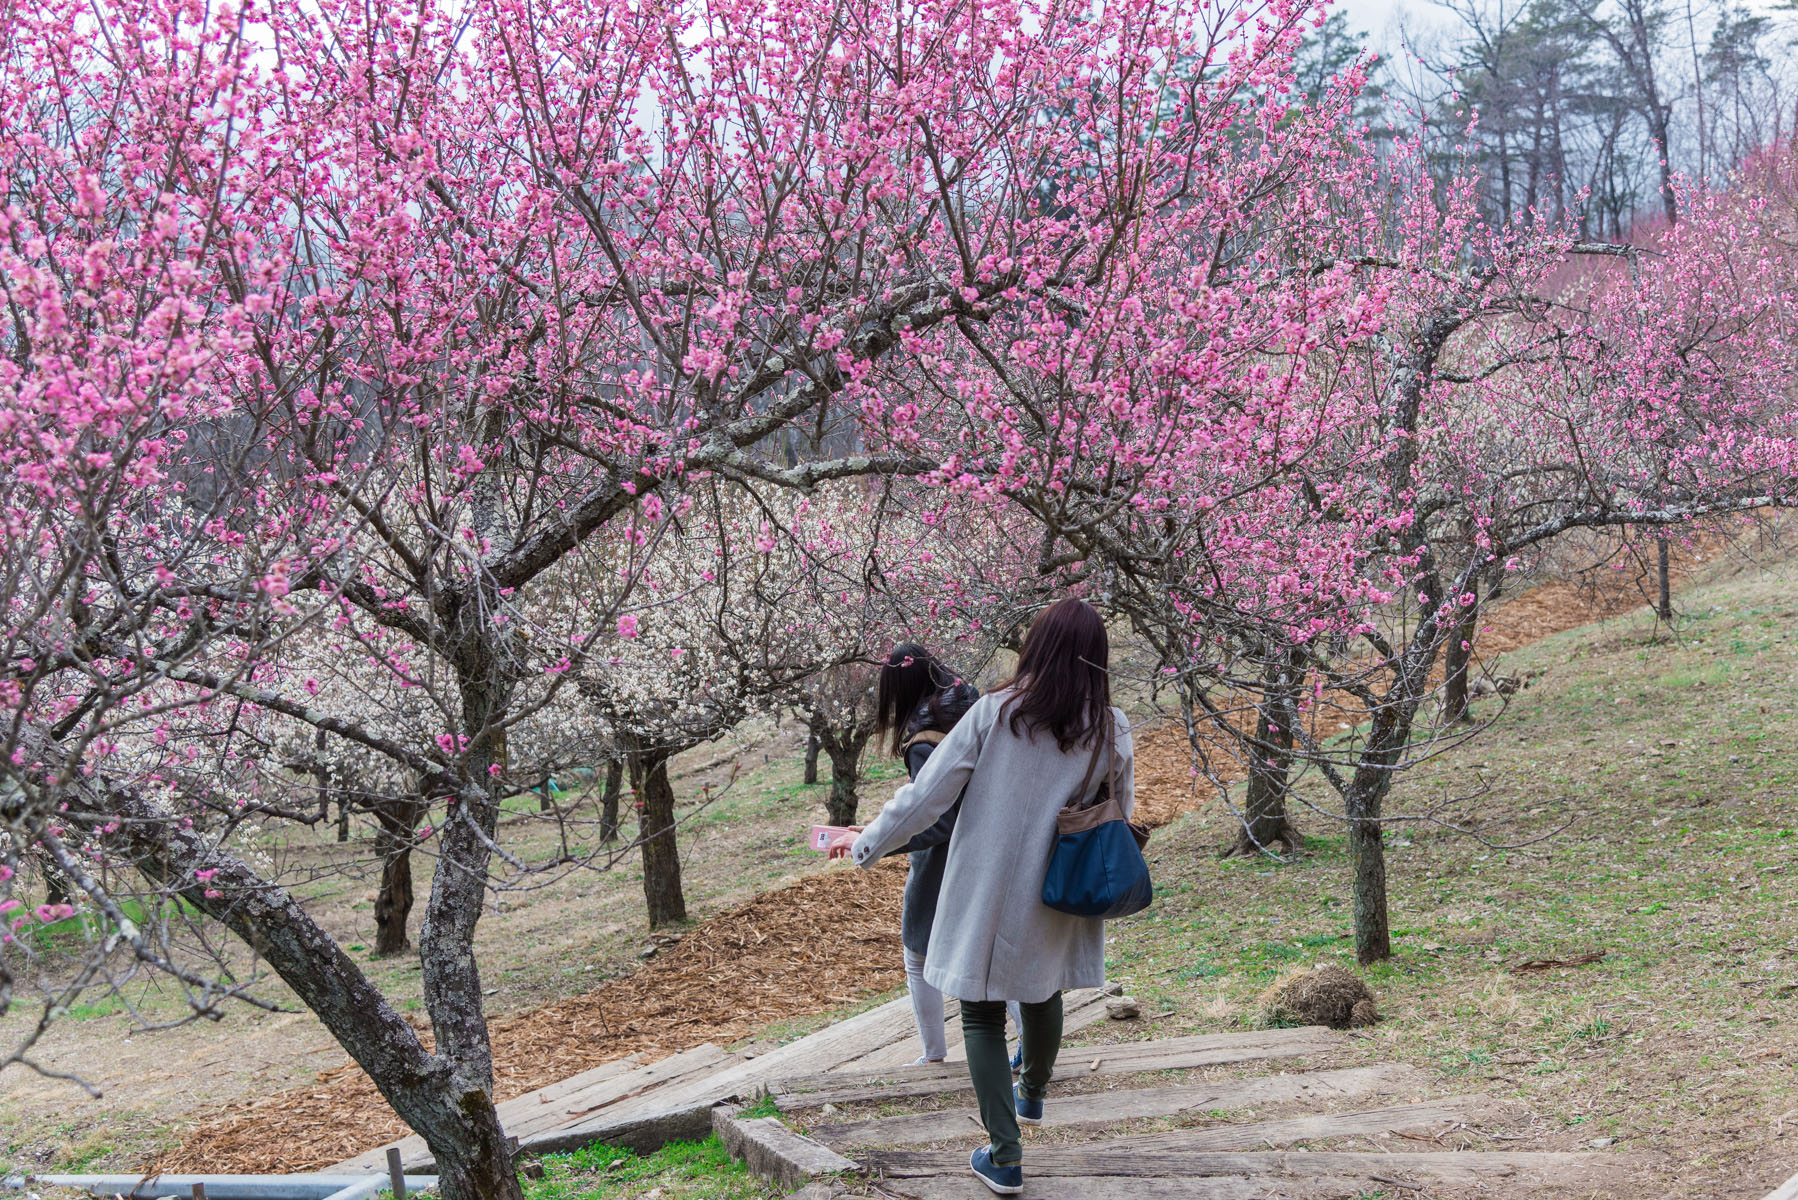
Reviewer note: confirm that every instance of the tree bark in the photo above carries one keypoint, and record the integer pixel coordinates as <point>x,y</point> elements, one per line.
<point>1367,854</point>
<point>56,885</point>
<point>476,1163</point>
<point>661,855</point>
<point>608,803</point>
<point>431,1092</point>
<point>1458,662</point>
<point>845,775</point>
<point>812,747</point>
<point>1663,563</point>
<point>398,821</point>
<point>1265,822</point>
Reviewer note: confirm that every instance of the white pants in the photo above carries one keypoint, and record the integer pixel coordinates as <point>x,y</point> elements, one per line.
<point>927,1009</point>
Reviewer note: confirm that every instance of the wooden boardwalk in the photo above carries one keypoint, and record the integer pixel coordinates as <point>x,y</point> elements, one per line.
<point>1249,1120</point>
<point>629,1102</point>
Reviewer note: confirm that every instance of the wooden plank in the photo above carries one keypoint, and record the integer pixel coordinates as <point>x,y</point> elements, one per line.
<point>635,1091</point>
<point>1105,1108</point>
<point>1785,1191</point>
<point>749,1077</point>
<point>523,1116</point>
<point>1075,1062</point>
<point>1452,1166</point>
<point>905,1051</point>
<point>583,1081</point>
<point>774,1152</point>
<point>846,1041</point>
<point>1255,1135</point>
<point>1075,1187</point>
<point>1090,1011</point>
<point>1079,1009</point>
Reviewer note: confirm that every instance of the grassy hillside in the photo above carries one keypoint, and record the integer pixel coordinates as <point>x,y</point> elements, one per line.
<point>1673,764</point>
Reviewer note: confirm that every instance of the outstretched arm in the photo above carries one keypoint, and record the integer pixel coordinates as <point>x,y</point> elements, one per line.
<point>918,805</point>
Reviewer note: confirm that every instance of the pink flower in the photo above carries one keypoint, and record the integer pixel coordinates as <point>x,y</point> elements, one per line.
<point>627,625</point>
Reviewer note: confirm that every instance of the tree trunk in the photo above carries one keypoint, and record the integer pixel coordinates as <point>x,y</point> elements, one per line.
<point>393,844</point>
<point>475,1161</point>
<point>608,803</point>
<point>56,885</point>
<point>1458,663</point>
<point>1367,853</point>
<point>661,855</point>
<point>1362,803</point>
<point>812,746</point>
<point>1264,819</point>
<point>343,816</point>
<point>431,1092</point>
<point>845,776</point>
<point>1664,601</point>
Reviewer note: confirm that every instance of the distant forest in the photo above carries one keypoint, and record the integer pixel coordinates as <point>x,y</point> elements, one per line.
<point>1581,109</point>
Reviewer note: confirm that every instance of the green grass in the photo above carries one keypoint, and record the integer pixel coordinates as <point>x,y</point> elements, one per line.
<point>1672,762</point>
<point>678,1171</point>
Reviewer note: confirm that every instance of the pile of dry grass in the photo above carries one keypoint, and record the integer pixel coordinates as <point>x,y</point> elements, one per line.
<point>1328,995</point>
<point>828,940</point>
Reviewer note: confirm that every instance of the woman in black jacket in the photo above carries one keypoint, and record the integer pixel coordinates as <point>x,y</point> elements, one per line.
<point>918,701</point>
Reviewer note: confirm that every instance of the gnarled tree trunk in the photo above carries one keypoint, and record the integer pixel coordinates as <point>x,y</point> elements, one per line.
<point>661,854</point>
<point>845,750</point>
<point>1663,606</point>
<point>1458,661</point>
<point>812,747</point>
<point>608,800</point>
<point>446,1095</point>
<point>1265,822</point>
<point>397,823</point>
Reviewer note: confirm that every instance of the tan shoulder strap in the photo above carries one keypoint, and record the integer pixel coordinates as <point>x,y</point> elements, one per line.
<point>1100,741</point>
<point>926,737</point>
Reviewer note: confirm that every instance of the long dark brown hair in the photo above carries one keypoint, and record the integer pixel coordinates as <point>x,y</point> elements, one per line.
<point>1062,686</point>
<point>909,674</point>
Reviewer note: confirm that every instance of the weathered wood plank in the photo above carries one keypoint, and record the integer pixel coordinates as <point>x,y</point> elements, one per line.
<point>1455,1166</point>
<point>524,1116</point>
<point>1256,1135</point>
<point>1079,1009</point>
<point>905,1051</point>
<point>773,1151</point>
<point>1105,1108</point>
<point>1076,1187</point>
<point>586,1079</point>
<point>605,1100</point>
<point>618,1090</point>
<point>1785,1191</point>
<point>1075,1062</point>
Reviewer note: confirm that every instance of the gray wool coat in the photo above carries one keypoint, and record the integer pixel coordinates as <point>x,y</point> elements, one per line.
<point>993,937</point>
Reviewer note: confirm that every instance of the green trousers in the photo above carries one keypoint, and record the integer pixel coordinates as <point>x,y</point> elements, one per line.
<point>989,1065</point>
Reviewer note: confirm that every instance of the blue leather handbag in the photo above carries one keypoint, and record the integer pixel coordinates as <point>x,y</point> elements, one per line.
<point>1097,868</point>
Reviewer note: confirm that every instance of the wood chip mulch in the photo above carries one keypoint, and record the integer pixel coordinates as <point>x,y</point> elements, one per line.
<point>830,939</point>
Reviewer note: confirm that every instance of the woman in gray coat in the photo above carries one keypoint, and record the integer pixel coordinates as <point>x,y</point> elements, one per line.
<point>1015,759</point>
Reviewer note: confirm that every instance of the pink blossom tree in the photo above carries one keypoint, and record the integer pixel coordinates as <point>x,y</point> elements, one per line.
<point>328,322</point>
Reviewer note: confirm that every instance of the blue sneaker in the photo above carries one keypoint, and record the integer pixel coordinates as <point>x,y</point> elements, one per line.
<point>1017,1060</point>
<point>1030,1112</point>
<point>1007,1181</point>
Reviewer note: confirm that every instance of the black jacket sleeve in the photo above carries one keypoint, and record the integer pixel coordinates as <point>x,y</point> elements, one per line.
<point>938,833</point>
